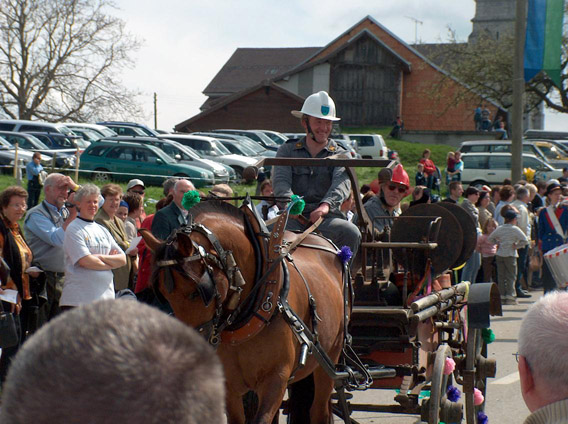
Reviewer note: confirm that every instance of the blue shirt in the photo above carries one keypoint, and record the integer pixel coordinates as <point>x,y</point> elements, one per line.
<point>43,228</point>
<point>32,170</point>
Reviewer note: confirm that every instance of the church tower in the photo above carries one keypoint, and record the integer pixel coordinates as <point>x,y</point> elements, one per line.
<point>493,17</point>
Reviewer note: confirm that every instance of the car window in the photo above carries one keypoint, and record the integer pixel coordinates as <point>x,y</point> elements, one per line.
<point>499,162</point>
<point>44,139</point>
<point>22,141</point>
<point>97,151</point>
<point>120,153</point>
<point>533,163</point>
<point>41,128</point>
<point>143,155</point>
<point>477,148</point>
<point>7,127</point>
<point>365,141</point>
<point>65,142</point>
<point>218,149</point>
<point>170,150</point>
<point>474,162</point>
<point>550,151</point>
<point>500,148</point>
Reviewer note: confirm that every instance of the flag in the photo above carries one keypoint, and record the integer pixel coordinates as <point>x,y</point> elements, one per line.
<point>543,41</point>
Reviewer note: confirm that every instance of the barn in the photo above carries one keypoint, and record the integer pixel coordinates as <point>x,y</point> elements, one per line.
<point>372,75</point>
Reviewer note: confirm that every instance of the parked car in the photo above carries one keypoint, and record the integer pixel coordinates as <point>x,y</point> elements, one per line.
<point>20,125</point>
<point>123,160</point>
<point>230,140</point>
<point>211,148</point>
<point>129,128</point>
<point>295,136</point>
<point>370,146</point>
<point>87,134</point>
<point>60,141</point>
<point>500,146</point>
<point>63,158</point>
<point>276,136</point>
<point>544,134</point>
<point>556,153</point>
<point>8,154</point>
<point>485,168</point>
<point>254,135</point>
<point>184,154</point>
<point>99,129</point>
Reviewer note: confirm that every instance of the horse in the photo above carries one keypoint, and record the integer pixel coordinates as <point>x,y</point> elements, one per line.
<point>191,271</point>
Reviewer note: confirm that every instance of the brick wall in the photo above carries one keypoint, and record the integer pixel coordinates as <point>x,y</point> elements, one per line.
<point>425,103</point>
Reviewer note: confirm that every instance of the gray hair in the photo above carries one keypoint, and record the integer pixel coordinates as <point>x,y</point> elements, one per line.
<point>180,181</point>
<point>521,192</point>
<point>543,342</point>
<point>87,190</point>
<point>52,179</point>
<point>114,361</point>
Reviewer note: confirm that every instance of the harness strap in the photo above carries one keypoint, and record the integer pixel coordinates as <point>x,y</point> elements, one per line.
<point>311,301</point>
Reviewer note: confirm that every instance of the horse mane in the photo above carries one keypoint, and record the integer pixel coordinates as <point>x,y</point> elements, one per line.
<point>217,206</point>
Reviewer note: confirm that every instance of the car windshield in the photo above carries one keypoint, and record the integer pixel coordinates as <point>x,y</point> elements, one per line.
<point>217,149</point>
<point>550,151</point>
<point>30,142</point>
<point>256,148</point>
<point>238,148</point>
<point>267,140</point>
<point>5,144</point>
<point>276,137</point>
<point>64,130</point>
<point>186,150</point>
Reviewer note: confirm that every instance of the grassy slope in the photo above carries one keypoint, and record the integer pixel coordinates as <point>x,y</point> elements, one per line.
<point>409,154</point>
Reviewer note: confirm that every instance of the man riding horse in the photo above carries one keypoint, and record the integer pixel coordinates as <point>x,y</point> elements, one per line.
<point>324,189</point>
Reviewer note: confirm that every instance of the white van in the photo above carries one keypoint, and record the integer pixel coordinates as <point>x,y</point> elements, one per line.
<point>370,146</point>
<point>20,125</point>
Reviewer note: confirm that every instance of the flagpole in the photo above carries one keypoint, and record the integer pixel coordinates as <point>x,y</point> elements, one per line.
<point>518,91</point>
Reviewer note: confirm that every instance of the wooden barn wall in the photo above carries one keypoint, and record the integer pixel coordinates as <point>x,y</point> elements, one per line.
<point>365,84</point>
<point>419,109</point>
<point>266,109</point>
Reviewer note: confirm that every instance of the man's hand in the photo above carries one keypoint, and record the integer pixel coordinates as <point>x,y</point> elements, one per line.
<point>321,210</point>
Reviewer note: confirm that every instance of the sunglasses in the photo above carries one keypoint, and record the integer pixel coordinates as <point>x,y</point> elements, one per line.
<point>140,192</point>
<point>393,187</point>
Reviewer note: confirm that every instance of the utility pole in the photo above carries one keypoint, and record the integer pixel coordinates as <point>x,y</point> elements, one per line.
<point>416,22</point>
<point>518,91</point>
<point>155,111</point>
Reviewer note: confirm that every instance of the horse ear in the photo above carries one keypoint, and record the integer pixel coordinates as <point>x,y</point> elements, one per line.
<point>185,245</point>
<point>151,242</point>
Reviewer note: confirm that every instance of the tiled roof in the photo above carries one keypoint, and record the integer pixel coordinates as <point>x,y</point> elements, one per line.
<point>247,67</point>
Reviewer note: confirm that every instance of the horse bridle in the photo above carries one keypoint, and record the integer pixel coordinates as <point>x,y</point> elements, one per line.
<point>206,284</point>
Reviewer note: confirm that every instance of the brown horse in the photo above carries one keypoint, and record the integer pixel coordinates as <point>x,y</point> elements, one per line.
<point>265,362</point>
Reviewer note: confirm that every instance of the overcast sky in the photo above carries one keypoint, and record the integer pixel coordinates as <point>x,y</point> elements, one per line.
<point>186,42</point>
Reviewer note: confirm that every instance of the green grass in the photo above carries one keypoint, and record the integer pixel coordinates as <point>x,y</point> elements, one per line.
<point>409,154</point>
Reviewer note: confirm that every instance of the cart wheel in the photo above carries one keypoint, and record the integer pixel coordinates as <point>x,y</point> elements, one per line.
<point>477,369</point>
<point>439,408</point>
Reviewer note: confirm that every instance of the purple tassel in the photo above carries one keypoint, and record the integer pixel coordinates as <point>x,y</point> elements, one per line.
<point>482,418</point>
<point>345,254</point>
<point>454,394</point>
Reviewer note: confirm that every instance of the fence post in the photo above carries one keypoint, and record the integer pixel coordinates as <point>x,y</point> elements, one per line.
<point>53,160</point>
<point>16,160</point>
<point>77,155</point>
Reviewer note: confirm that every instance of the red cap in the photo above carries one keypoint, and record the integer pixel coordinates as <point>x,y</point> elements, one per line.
<point>400,176</point>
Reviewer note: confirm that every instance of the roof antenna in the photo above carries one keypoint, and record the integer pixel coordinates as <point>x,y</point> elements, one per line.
<point>416,22</point>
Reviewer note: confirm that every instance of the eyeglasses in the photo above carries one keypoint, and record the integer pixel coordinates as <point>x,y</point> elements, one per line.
<point>140,192</point>
<point>18,205</point>
<point>393,187</point>
<point>516,355</point>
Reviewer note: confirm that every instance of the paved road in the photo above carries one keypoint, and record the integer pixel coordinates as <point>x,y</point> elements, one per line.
<point>504,400</point>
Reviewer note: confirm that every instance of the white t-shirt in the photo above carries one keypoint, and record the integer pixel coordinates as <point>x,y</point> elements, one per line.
<point>82,285</point>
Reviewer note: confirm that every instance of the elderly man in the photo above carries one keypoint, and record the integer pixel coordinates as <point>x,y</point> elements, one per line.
<point>174,215</point>
<point>323,188</point>
<point>393,187</point>
<point>543,349</point>
<point>44,226</point>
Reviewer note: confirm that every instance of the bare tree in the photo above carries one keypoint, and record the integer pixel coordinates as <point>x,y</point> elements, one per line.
<point>486,68</point>
<point>60,60</point>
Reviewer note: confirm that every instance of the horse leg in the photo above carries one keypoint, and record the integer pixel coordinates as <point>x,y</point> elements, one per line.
<point>300,398</point>
<point>321,413</point>
<point>270,395</point>
<point>235,409</point>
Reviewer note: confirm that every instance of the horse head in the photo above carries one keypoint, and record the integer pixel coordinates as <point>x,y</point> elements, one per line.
<point>203,267</point>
